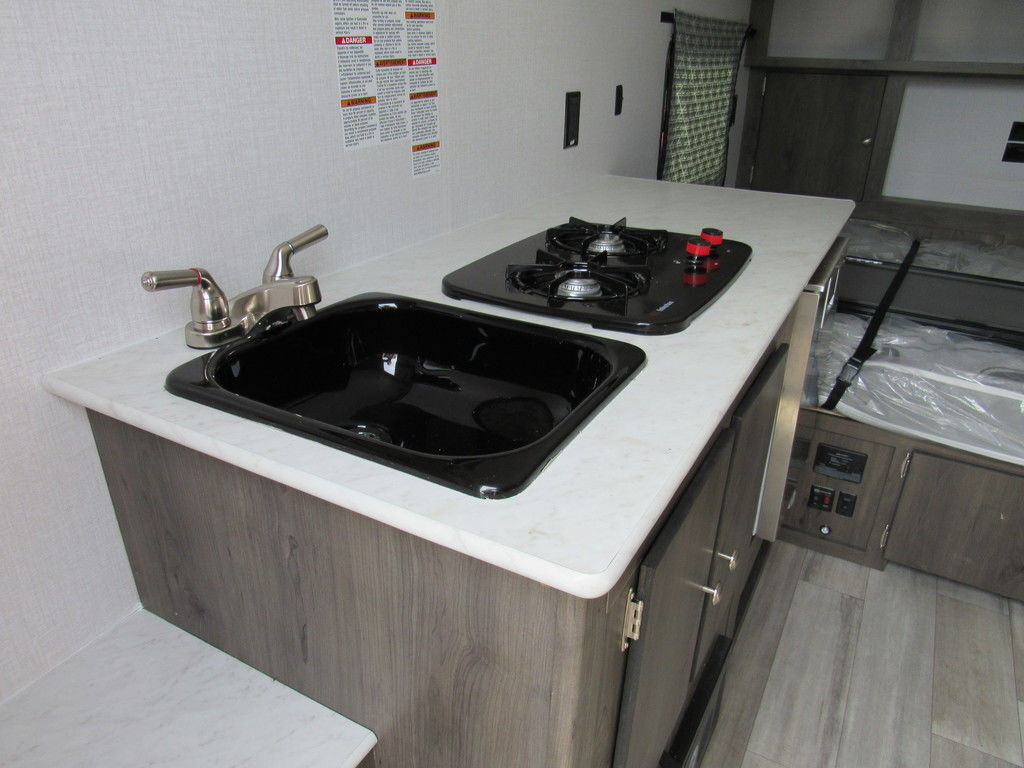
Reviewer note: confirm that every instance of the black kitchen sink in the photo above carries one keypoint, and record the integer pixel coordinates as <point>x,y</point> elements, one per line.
<point>470,401</point>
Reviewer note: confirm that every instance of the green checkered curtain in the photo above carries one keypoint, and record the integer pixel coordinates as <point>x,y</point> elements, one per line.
<point>707,58</point>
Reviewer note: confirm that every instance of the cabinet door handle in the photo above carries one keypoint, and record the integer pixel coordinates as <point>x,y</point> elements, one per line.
<point>731,558</point>
<point>791,500</point>
<point>715,592</point>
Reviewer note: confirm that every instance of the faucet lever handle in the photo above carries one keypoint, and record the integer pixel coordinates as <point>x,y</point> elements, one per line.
<point>209,304</point>
<point>170,278</point>
<point>280,266</point>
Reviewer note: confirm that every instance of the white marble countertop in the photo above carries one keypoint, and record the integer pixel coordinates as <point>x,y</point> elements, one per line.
<point>147,693</point>
<point>580,522</point>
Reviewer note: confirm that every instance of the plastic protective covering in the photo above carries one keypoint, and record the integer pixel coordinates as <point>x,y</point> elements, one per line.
<point>931,383</point>
<point>880,242</point>
<point>871,240</point>
<point>1005,262</point>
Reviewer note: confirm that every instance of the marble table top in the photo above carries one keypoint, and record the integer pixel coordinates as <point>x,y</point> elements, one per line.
<point>578,525</point>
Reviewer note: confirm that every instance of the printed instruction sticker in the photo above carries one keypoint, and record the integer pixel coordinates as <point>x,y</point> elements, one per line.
<point>387,76</point>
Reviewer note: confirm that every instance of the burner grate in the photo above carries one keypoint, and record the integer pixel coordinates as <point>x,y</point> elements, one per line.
<point>564,281</point>
<point>595,242</point>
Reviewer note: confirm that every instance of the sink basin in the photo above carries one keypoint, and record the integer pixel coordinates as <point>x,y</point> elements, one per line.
<point>474,402</point>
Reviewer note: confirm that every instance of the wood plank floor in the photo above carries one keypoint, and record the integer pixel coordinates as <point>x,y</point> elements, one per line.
<point>874,669</point>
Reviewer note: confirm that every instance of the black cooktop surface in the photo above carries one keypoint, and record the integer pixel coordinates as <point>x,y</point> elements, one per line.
<point>611,276</point>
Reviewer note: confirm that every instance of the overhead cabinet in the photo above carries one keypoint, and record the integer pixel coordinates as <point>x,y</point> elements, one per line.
<point>816,133</point>
<point>827,85</point>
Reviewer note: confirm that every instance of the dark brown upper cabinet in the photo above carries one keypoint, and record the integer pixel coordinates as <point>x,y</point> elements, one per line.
<point>817,133</point>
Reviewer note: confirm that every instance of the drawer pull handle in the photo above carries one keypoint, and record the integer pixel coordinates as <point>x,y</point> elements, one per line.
<point>731,558</point>
<point>715,592</point>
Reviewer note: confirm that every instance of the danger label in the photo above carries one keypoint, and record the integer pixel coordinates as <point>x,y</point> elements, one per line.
<point>387,76</point>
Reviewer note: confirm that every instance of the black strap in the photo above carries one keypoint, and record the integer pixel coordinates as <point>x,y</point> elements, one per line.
<point>864,350</point>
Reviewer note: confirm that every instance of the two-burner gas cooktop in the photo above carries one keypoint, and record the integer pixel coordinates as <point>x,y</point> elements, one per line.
<point>609,275</point>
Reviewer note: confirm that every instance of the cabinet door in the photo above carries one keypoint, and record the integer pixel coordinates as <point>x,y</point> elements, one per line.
<point>753,422</point>
<point>736,546</point>
<point>961,521</point>
<point>660,662</point>
<point>816,133</point>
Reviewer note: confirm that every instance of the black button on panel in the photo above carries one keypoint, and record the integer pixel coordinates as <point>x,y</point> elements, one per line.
<point>845,502</point>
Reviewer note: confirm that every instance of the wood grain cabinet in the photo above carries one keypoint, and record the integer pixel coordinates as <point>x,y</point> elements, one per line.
<point>692,579</point>
<point>918,503</point>
<point>736,547</point>
<point>963,521</point>
<point>449,660</point>
<point>674,587</point>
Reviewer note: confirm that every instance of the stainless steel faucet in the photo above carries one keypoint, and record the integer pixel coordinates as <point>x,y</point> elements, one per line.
<point>216,321</point>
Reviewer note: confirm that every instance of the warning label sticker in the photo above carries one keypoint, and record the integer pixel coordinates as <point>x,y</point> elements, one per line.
<point>387,76</point>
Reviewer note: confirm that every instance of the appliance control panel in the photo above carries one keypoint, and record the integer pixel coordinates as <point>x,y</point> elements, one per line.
<point>821,498</point>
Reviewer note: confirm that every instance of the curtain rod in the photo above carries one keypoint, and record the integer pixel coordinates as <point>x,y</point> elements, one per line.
<point>667,17</point>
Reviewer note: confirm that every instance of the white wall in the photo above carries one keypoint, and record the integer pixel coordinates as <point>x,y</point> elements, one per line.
<point>949,144</point>
<point>143,135</point>
<point>980,30</point>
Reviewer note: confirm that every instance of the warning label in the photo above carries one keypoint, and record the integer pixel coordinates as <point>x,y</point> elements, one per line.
<point>387,76</point>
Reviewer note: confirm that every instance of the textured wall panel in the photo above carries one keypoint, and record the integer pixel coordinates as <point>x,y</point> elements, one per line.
<point>141,135</point>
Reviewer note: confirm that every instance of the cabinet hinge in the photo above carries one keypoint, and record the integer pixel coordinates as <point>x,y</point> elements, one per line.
<point>885,537</point>
<point>906,465</point>
<point>631,621</point>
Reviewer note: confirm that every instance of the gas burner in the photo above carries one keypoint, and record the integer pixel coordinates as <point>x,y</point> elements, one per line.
<point>579,282</point>
<point>607,241</point>
<point>594,242</point>
<point>579,286</point>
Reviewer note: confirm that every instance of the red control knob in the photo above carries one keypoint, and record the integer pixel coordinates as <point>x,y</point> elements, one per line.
<point>712,235</point>
<point>697,247</point>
